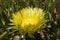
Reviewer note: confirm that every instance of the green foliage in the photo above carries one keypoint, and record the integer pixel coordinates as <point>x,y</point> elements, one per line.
<point>7,7</point>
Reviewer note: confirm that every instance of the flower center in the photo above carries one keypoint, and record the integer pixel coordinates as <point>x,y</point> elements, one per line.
<point>29,21</point>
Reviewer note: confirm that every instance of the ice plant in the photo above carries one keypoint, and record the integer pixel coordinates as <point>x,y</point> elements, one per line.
<point>28,20</point>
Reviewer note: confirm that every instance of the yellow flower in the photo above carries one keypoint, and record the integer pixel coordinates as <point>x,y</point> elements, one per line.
<point>28,20</point>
